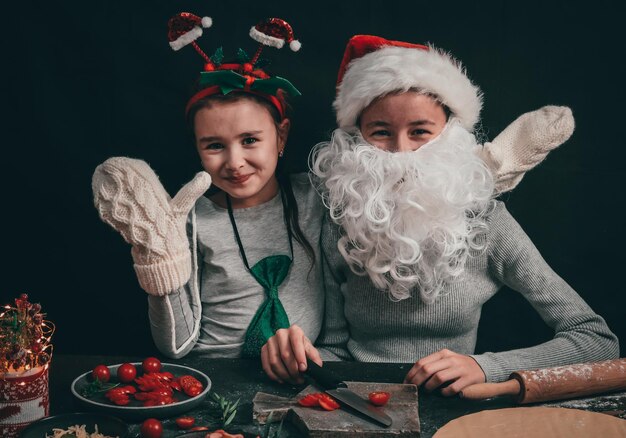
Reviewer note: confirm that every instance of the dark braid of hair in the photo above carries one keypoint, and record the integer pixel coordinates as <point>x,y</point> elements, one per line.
<point>291,211</point>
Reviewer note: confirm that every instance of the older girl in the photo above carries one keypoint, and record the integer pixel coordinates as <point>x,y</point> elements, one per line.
<point>415,243</point>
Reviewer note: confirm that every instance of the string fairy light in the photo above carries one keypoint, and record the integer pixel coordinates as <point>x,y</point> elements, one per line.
<point>25,337</point>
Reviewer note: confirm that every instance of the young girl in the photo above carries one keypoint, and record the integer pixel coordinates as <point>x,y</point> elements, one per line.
<point>253,266</point>
<point>416,243</point>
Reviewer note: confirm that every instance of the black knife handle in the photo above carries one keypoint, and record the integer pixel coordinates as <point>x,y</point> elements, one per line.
<point>325,378</point>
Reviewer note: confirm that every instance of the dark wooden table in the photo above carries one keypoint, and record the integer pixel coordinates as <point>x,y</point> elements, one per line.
<point>242,379</point>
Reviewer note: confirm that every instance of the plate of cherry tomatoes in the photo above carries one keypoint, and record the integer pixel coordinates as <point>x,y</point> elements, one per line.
<point>140,390</point>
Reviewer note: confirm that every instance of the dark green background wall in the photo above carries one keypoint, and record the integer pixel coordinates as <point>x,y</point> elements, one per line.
<point>89,80</point>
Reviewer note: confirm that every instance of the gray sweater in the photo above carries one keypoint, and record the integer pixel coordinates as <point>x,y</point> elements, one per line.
<point>213,311</point>
<point>363,324</point>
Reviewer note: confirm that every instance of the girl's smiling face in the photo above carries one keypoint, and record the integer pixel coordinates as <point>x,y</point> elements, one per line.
<point>239,143</point>
<point>402,122</point>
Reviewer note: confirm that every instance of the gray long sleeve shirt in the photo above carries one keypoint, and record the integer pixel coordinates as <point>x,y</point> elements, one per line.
<point>213,311</point>
<point>363,324</point>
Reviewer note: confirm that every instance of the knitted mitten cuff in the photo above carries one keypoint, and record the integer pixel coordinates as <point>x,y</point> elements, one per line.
<point>164,277</point>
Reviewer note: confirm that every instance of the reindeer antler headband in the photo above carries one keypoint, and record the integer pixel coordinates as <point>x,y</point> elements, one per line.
<point>246,73</point>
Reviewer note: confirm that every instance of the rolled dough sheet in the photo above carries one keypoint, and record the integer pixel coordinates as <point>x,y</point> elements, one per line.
<point>536,422</point>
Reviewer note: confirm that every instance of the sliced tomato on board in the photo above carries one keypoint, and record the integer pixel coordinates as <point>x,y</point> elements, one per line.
<point>309,400</point>
<point>321,399</point>
<point>327,402</point>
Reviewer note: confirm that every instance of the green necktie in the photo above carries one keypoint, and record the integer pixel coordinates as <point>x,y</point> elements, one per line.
<point>269,272</point>
<point>271,316</point>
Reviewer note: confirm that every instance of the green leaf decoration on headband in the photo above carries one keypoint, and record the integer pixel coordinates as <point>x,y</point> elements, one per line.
<point>271,85</point>
<point>242,56</point>
<point>228,81</point>
<point>218,57</point>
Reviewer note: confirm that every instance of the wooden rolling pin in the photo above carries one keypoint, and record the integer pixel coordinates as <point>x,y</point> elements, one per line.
<point>555,383</point>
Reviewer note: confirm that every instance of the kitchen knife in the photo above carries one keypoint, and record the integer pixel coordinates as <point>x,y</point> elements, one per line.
<point>336,388</point>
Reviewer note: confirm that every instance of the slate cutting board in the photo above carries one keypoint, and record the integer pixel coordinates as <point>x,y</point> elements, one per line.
<point>315,422</point>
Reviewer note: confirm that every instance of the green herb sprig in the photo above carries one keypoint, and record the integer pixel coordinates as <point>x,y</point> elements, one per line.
<point>226,410</point>
<point>269,431</point>
<point>95,387</point>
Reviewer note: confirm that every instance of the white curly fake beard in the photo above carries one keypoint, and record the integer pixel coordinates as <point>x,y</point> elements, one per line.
<point>409,219</point>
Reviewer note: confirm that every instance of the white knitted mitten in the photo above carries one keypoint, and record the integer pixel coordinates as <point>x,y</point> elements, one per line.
<point>130,198</point>
<point>525,143</point>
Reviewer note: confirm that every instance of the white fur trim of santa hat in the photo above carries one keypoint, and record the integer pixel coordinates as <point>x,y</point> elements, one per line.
<point>262,38</point>
<point>390,69</point>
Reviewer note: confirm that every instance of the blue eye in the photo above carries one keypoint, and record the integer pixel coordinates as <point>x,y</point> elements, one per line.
<point>420,132</point>
<point>249,140</point>
<point>214,146</point>
<point>382,132</point>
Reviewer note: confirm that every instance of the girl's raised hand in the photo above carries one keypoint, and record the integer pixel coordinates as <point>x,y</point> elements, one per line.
<point>445,368</point>
<point>130,198</point>
<point>525,143</point>
<point>285,354</point>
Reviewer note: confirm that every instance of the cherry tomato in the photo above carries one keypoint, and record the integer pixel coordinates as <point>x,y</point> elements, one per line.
<point>379,398</point>
<point>327,402</point>
<point>148,382</point>
<point>175,384</point>
<point>101,373</point>
<point>190,385</point>
<point>185,422</point>
<point>151,365</point>
<point>126,372</point>
<point>151,428</point>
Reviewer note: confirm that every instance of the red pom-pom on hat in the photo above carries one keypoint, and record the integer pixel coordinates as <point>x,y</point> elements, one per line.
<point>184,28</point>
<point>275,32</point>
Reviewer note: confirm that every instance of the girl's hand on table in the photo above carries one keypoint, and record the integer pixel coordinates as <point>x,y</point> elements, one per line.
<point>285,354</point>
<point>452,370</point>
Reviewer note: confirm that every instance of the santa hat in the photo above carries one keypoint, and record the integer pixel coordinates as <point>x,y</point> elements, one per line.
<point>274,32</point>
<point>373,67</point>
<point>185,28</point>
